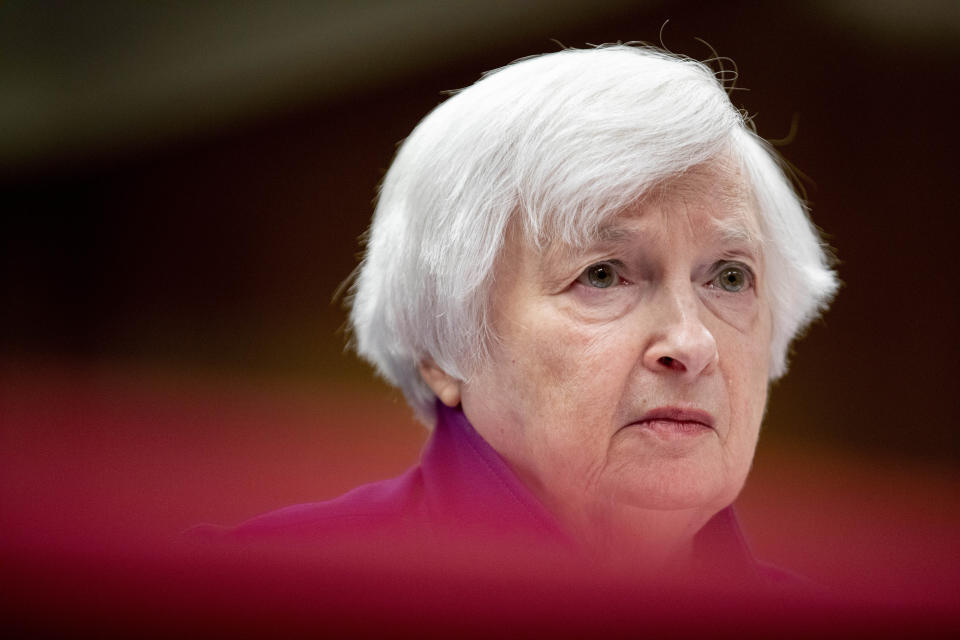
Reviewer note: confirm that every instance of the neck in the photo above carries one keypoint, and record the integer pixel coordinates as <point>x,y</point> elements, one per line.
<point>633,540</point>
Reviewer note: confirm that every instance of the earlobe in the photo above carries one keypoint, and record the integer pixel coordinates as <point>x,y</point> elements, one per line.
<point>445,386</point>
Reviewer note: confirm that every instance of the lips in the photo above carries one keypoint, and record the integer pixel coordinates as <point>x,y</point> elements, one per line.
<point>676,421</point>
<point>676,414</point>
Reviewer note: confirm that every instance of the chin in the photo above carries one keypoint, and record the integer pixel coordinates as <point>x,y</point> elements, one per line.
<point>675,492</point>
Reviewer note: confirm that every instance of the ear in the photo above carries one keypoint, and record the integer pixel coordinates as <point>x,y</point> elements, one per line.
<point>445,386</point>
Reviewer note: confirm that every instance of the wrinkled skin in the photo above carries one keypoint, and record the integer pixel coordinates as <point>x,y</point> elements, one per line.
<point>664,311</point>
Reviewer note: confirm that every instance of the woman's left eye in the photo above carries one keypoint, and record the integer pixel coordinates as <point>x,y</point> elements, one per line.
<point>733,278</point>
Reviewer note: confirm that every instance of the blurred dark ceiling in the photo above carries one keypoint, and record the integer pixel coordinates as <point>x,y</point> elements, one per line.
<point>185,182</point>
<point>93,77</point>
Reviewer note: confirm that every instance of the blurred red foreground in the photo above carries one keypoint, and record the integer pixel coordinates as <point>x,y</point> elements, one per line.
<point>102,471</point>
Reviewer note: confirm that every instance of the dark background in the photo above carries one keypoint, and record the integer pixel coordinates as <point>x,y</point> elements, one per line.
<point>184,187</point>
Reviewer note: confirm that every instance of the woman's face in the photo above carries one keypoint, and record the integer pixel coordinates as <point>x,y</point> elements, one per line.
<point>631,376</point>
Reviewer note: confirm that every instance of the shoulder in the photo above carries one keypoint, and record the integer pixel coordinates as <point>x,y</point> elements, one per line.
<point>791,584</point>
<point>371,508</point>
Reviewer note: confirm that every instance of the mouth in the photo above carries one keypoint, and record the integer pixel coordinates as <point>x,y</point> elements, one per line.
<point>675,422</point>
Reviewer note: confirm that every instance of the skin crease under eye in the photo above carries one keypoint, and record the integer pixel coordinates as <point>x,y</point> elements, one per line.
<point>575,367</point>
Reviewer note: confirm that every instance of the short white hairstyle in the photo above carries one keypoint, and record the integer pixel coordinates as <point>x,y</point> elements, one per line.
<point>559,144</point>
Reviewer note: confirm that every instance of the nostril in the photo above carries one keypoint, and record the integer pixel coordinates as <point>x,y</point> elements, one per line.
<point>670,363</point>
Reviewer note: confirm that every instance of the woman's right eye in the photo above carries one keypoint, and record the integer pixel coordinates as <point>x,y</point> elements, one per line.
<point>600,275</point>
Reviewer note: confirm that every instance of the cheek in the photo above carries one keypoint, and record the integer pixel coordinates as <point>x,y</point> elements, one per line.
<point>746,378</point>
<point>573,364</point>
<point>542,370</point>
<point>563,377</point>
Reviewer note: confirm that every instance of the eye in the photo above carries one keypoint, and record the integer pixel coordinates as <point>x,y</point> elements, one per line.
<point>733,278</point>
<point>600,275</point>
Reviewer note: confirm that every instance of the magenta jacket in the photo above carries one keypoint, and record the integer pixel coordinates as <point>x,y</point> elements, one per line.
<point>463,492</point>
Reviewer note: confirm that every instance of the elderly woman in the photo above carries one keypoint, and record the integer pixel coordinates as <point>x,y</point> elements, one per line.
<point>583,272</point>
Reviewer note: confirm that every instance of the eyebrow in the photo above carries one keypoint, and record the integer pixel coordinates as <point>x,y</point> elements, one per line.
<point>736,231</point>
<point>611,234</point>
<point>728,230</point>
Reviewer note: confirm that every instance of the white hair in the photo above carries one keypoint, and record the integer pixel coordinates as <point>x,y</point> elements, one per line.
<point>558,144</point>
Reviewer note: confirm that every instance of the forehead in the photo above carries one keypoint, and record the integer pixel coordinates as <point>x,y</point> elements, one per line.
<point>711,202</point>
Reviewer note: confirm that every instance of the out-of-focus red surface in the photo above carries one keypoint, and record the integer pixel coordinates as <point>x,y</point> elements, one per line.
<point>100,471</point>
<point>96,454</point>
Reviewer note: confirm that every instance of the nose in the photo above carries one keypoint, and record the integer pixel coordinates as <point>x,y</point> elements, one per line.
<point>680,344</point>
